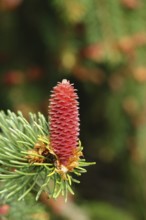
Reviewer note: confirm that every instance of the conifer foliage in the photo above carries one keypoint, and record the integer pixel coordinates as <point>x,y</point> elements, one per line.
<point>33,160</point>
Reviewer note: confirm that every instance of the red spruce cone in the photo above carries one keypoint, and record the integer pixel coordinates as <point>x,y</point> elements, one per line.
<point>64,121</point>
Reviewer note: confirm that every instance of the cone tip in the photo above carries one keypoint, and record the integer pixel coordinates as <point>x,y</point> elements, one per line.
<point>65,81</point>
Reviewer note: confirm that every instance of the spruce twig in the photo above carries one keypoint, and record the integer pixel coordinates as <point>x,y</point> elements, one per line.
<point>18,174</point>
<point>28,161</point>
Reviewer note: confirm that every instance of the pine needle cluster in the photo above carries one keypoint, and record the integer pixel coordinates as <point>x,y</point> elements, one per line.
<point>27,163</point>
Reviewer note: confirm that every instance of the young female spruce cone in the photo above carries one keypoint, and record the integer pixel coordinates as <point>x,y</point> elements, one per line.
<point>64,121</point>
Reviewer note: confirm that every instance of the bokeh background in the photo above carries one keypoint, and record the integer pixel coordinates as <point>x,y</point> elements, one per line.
<point>100,46</point>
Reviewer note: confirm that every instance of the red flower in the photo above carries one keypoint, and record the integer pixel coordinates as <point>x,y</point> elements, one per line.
<point>64,121</point>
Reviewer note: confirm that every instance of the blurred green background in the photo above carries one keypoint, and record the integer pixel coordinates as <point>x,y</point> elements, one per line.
<point>100,46</point>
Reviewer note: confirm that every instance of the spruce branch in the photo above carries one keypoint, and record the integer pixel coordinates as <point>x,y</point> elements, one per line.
<point>28,161</point>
